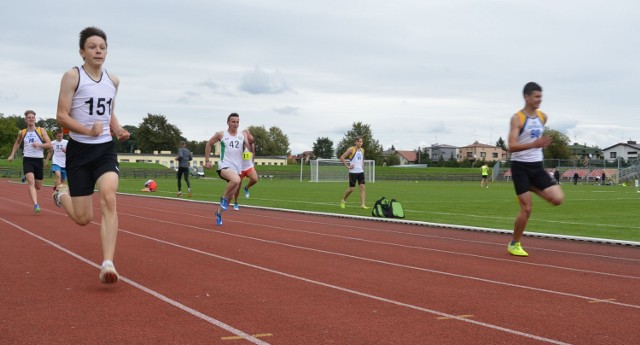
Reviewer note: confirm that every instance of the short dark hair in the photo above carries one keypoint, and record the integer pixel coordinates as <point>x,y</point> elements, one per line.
<point>531,87</point>
<point>59,131</point>
<point>29,112</point>
<point>232,115</point>
<point>91,31</point>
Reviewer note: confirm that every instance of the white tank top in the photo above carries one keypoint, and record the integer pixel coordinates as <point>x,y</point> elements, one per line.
<point>93,101</point>
<point>231,148</point>
<point>358,162</point>
<point>29,151</point>
<point>531,130</point>
<point>59,157</point>
<point>247,160</point>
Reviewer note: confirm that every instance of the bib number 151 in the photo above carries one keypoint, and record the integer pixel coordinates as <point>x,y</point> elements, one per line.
<point>101,106</point>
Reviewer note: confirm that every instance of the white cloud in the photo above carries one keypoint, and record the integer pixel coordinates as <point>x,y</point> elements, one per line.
<point>416,71</point>
<point>258,81</point>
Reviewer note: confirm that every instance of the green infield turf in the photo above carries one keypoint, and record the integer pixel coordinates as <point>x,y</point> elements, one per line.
<point>593,211</point>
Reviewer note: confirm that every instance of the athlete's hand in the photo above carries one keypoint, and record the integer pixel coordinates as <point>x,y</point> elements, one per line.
<point>122,134</point>
<point>543,141</point>
<point>207,164</point>
<point>96,129</point>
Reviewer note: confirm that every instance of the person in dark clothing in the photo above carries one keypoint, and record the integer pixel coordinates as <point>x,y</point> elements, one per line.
<point>184,162</point>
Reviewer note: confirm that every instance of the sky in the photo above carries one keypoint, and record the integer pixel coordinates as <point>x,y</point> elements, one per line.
<point>418,72</point>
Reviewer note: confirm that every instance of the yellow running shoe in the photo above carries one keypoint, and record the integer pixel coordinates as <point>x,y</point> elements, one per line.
<point>343,204</point>
<point>516,249</point>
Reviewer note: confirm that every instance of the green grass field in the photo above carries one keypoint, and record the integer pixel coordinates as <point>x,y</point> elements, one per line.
<point>591,211</point>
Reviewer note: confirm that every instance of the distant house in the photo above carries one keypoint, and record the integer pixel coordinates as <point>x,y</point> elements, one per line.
<point>306,156</point>
<point>627,151</point>
<point>479,151</point>
<point>585,152</point>
<point>446,152</point>
<point>405,157</point>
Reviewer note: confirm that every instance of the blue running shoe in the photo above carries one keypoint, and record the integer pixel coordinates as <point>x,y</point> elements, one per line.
<point>36,208</point>
<point>224,203</point>
<point>236,206</point>
<point>246,192</point>
<point>218,218</point>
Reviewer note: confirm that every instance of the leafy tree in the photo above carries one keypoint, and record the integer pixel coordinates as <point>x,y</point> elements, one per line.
<point>8,132</point>
<point>260,139</point>
<point>279,142</point>
<point>391,159</point>
<point>20,121</point>
<point>559,147</point>
<point>323,148</point>
<point>49,124</point>
<point>422,155</point>
<point>155,133</point>
<point>500,143</point>
<point>196,147</point>
<point>371,146</point>
<point>272,142</point>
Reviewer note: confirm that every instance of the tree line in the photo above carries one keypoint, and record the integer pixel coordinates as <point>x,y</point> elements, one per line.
<point>155,133</point>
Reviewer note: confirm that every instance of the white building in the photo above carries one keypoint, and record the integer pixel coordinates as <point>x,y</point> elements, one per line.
<point>627,151</point>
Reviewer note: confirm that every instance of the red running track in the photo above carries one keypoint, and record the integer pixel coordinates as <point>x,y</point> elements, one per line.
<point>287,278</point>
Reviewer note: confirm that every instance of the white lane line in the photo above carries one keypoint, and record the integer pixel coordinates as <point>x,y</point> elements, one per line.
<point>354,292</point>
<point>153,293</point>
<point>462,276</point>
<point>412,247</point>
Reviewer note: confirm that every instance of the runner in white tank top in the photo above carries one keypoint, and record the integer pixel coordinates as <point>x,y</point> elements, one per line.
<point>29,150</point>
<point>33,151</point>
<point>248,169</point>
<point>93,102</point>
<point>232,145</point>
<point>531,131</point>
<point>526,143</point>
<point>231,149</point>
<point>358,162</point>
<point>86,108</point>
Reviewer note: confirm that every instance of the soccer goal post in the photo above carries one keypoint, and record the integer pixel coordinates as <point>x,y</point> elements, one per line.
<point>332,170</point>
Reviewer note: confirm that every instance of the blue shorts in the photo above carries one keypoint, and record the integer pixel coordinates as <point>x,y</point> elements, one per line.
<point>63,171</point>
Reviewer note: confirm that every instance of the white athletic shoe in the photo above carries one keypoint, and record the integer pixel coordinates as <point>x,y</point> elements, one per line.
<point>57,194</point>
<point>108,274</point>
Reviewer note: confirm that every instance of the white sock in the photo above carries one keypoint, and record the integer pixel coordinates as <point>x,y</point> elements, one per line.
<point>107,263</point>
